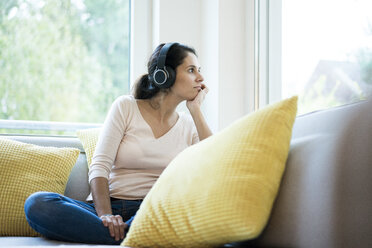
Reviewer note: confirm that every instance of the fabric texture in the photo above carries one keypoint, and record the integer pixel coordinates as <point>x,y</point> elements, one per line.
<point>89,138</point>
<point>222,189</point>
<point>25,169</point>
<point>130,156</point>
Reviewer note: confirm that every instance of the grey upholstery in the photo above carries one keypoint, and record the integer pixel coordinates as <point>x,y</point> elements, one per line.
<point>325,199</point>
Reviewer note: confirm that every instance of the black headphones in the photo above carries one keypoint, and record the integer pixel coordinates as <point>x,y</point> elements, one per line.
<point>164,76</point>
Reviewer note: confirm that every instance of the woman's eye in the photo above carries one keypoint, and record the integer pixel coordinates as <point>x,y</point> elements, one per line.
<point>191,70</point>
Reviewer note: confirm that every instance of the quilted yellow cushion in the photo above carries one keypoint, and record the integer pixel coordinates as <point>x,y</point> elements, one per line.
<point>89,138</point>
<point>222,189</point>
<point>25,169</point>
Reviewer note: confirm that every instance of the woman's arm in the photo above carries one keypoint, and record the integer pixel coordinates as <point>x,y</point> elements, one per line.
<point>102,204</point>
<point>194,107</point>
<point>104,156</point>
<point>100,192</point>
<point>200,123</point>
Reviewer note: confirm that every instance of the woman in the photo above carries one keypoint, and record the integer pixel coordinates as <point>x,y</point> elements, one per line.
<point>140,136</point>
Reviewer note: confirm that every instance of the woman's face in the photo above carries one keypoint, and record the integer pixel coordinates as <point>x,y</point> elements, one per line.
<point>188,78</point>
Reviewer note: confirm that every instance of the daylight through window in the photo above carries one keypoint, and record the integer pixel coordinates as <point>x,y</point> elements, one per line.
<point>327,52</point>
<point>62,60</point>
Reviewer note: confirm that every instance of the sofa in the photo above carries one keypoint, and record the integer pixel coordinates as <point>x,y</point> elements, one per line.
<point>325,197</point>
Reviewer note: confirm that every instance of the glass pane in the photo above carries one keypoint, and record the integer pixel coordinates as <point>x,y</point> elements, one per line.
<point>327,52</point>
<point>62,60</point>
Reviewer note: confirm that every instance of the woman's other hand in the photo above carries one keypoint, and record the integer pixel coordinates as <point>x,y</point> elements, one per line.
<point>116,226</point>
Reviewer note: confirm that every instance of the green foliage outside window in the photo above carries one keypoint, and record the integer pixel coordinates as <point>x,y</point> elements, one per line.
<point>62,60</point>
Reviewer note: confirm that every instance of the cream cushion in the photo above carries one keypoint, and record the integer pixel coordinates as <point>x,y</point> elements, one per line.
<point>89,138</point>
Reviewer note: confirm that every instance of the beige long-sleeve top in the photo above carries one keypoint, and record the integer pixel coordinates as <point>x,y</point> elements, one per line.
<point>128,154</point>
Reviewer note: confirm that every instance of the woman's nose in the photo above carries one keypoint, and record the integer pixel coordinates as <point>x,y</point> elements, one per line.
<point>200,77</point>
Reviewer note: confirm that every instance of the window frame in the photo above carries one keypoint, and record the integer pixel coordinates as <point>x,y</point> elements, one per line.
<point>268,52</point>
<point>44,126</point>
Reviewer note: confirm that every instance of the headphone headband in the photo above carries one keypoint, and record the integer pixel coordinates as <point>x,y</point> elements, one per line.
<point>163,55</point>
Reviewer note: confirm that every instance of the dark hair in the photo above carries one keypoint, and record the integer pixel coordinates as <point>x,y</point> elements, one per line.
<point>144,88</point>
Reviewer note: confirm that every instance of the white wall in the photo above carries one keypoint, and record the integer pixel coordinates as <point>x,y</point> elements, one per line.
<point>219,31</point>
<point>232,61</point>
<point>179,21</point>
<point>209,60</point>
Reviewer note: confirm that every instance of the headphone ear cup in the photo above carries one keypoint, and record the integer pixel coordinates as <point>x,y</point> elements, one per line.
<point>160,77</point>
<point>171,77</point>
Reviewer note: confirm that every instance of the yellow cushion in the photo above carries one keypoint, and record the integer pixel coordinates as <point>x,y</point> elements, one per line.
<point>25,169</point>
<point>222,189</point>
<point>89,138</point>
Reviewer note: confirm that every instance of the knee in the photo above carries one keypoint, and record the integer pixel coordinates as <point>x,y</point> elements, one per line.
<point>38,203</point>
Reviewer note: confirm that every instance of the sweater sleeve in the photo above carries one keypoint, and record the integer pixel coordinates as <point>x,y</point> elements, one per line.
<point>109,140</point>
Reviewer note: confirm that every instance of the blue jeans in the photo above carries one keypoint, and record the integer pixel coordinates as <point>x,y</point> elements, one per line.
<point>61,218</point>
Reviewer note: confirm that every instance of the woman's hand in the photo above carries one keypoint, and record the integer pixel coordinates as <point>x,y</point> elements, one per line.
<point>197,115</point>
<point>196,103</point>
<point>116,226</point>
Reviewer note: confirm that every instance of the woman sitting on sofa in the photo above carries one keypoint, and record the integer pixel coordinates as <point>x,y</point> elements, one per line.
<point>139,138</point>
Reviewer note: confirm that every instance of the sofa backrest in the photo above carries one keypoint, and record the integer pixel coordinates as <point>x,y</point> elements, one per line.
<point>325,199</point>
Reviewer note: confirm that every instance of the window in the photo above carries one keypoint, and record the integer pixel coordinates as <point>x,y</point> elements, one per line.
<point>326,52</point>
<point>61,61</point>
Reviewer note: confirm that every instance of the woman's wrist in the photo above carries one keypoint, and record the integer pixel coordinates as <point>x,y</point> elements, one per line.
<point>194,110</point>
<point>106,215</point>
